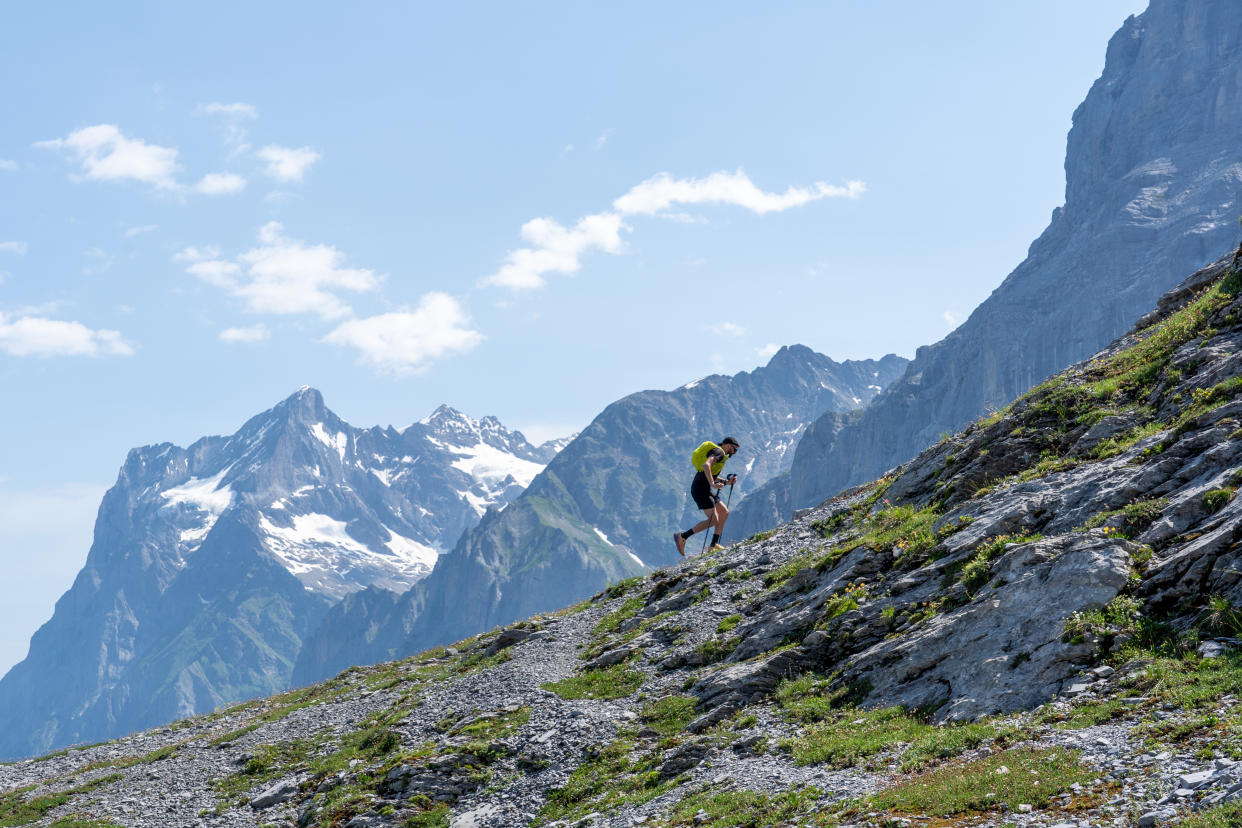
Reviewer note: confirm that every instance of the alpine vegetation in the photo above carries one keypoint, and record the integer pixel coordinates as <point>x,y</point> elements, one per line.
<point>1034,622</point>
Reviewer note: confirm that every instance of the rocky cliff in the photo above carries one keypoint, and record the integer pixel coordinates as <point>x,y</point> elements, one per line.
<point>1153,186</point>
<point>604,508</point>
<point>1034,623</point>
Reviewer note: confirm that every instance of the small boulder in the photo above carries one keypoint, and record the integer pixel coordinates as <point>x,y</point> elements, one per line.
<point>275,794</point>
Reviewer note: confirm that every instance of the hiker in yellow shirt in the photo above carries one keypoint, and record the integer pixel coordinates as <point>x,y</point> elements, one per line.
<point>708,461</point>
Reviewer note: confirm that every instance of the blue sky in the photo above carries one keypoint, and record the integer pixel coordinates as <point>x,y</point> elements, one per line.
<point>526,211</point>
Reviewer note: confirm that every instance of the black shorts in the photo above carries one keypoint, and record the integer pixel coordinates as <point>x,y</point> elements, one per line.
<point>703,494</point>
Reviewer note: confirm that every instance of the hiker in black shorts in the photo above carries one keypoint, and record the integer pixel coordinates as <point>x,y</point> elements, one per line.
<point>708,461</point>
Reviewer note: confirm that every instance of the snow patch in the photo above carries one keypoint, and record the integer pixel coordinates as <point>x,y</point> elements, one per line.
<point>336,441</point>
<point>637,559</point>
<point>477,503</point>
<point>411,550</point>
<point>602,536</point>
<point>490,465</point>
<point>201,494</point>
<point>319,551</point>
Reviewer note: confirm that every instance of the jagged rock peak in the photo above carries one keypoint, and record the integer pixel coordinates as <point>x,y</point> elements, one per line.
<point>304,405</point>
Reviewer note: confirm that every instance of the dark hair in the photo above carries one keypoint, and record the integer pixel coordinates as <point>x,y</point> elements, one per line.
<point>729,441</point>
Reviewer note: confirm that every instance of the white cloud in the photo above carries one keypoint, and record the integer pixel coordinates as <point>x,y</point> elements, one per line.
<point>234,115</point>
<point>16,247</point>
<point>288,164</point>
<point>215,272</point>
<point>663,191</point>
<point>602,139</point>
<point>768,351</point>
<point>39,337</point>
<point>245,336</point>
<point>220,184</point>
<point>952,319</point>
<point>282,275</point>
<point>197,254</point>
<point>7,166</point>
<point>732,329</point>
<point>555,249</point>
<point>230,110</point>
<point>107,155</point>
<point>406,341</point>
<point>139,230</point>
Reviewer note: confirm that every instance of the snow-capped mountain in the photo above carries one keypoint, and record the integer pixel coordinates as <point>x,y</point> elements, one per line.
<point>211,563</point>
<point>342,508</point>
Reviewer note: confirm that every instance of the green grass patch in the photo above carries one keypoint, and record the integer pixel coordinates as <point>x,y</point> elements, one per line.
<point>1228,815</point>
<point>433,816</point>
<point>1189,682</point>
<point>607,780</point>
<point>1217,499</point>
<point>851,736</point>
<point>1120,615</point>
<point>717,649</point>
<point>1086,715</point>
<point>80,822</point>
<point>234,735</point>
<point>1013,777</point>
<point>608,683</point>
<point>818,560</point>
<point>670,715</point>
<point>1123,442</point>
<point>129,761</point>
<point>901,528</point>
<point>1136,368</point>
<point>727,623</point>
<point>975,572</point>
<point>747,809</point>
<point>1132,519</point>
<point>16,809</point>
<point>613,620</point>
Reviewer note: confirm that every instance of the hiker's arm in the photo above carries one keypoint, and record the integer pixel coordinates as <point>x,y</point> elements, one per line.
<point>707,468</point>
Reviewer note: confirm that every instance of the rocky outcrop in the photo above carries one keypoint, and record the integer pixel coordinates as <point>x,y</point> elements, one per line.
<point>1153,179</point>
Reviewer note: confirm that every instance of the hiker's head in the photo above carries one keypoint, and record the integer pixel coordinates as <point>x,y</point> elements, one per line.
<point>729,445</point>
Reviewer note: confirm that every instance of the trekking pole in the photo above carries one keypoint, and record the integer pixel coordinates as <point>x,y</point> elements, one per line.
<point>731,479</point>
<point>708,530</point>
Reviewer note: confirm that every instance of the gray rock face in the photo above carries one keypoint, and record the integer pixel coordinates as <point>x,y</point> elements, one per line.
<point>1153,187</point>
<point>1002,651</point>
<point>212,563</point>
<point>604,508</point>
